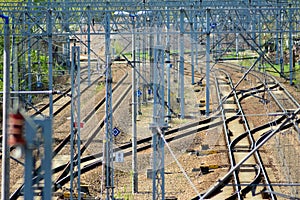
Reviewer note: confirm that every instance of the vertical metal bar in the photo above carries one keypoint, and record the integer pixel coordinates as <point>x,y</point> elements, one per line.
<point>196,41</point>
<point>109,172</point>
<point>30,133</point>
<point>73,63</point>
<point>161,121</point>
<point>29,71</point>
<point>89,44</point>
<point>207,88</point>
<point>144,45</point>
<point>50,62</point>
<point>237,45</point>
<point>253,29</point>
<point>168,64</point>
<point>6,98</point>
<point>154,160</point>
<point>158,180</point>
<point>260,41</point>
<point>277,33</point>
<point>138,81</point>
<point>47,160</point>
<point>134,114</point>
<point>151,56</point>
<point>154,133</point>
<point>281,60</point>
<point>181,67</point>
<point>15,67</point>
<point>291,43</point>
<point>78,120</point>
<point>192,48</point>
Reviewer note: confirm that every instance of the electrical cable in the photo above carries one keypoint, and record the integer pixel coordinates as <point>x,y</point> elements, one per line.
<point>178,163</point>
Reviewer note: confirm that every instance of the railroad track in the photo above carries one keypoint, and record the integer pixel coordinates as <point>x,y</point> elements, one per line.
<point>251,171</point>
<point>95,160</point>
<point>86,119</point>
<point>243,141</point>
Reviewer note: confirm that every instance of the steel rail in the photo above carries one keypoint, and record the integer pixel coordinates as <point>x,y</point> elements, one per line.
<point>228,141</point>
<point>252,141</point>
<point>61,145</point>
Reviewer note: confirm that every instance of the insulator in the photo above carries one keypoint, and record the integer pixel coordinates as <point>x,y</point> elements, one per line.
<point>16,129</point>
<point>39,83</point>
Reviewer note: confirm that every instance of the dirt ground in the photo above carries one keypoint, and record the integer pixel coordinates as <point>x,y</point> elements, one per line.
<point>182,181</point>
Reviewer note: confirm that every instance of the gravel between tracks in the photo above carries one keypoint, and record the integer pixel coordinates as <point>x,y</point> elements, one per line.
<point>176,184</point>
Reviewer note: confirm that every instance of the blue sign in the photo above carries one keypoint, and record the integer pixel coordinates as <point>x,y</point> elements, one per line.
<point>213,25</point>
<point>116,131</point>
<point>138,93</point>
<point>281,60</point>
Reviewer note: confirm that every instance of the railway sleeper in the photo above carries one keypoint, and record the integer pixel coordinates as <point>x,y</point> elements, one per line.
<point>241,149</point>
<point>229,102</point>
<point>223,83</point>
<point>200,105</point>
<point>202,152</point>
<point>248,168</point>
<point>205,169</point>
<point>231,110</point>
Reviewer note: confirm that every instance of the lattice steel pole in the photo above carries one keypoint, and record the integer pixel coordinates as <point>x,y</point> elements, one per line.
<point>89,44</point>
<point>192,46</point>
<point>109,171</point>
<point>75,50</point>
<point>291,43</point>
<point>181,64</point>
<point>169,65</point>
<point>6,102</point>
<point>50,60</point>
<point>134,113</point>
<point>158,168</point>
<point>207,97</point>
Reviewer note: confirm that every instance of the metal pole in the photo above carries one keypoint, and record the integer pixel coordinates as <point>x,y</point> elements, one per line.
<point>72,121</point>
<point>236,45</point>
<point>196,41</point>
<point>168,65</point>
<point>144,44</point>
<point>260,41</point>
<point>278,11</point>
<point>151,56</point>
<point>109,171</point>
<point>78,120</point>
<point>181,67</point>
<point>192,49</point>
<point>134,114</point>
<point>6,96</point>
<point>29,71</point>
<point>89,44</point>
<point>207,99</point>
<point>50,62</point>
<point>158,168</point>
<point>15,67</point>
<point>139,79</point>
<point>281,60</point>
<point>291,43</point>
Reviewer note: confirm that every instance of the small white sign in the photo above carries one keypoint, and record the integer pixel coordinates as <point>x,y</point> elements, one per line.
<point>119,156</point>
